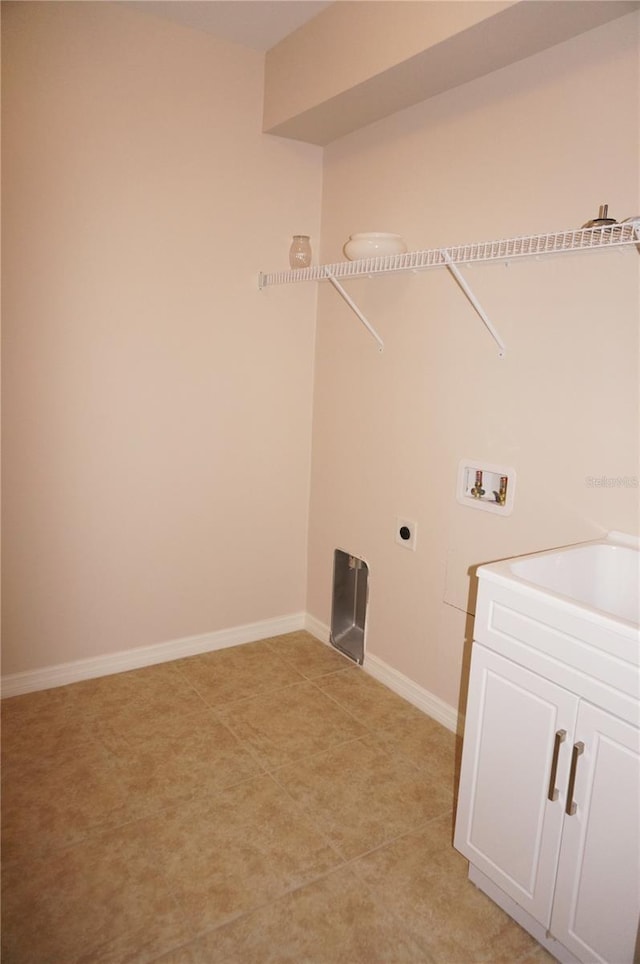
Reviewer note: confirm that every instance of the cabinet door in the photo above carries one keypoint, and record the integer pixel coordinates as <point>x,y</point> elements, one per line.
<point>506,823</point>
<point>597,903</point>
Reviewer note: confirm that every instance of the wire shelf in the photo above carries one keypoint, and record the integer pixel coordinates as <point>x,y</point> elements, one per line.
<point>527,246</point>
<point>561,242</point>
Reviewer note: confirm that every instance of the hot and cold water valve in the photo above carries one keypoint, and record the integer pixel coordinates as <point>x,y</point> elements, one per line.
<point>482,485</point>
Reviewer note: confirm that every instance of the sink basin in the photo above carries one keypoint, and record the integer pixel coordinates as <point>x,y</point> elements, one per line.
<point>601,577</point>
<point>604,576</point>
<point>572,615</point>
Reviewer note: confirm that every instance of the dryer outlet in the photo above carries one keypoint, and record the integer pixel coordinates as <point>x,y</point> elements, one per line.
<point>406,533</point>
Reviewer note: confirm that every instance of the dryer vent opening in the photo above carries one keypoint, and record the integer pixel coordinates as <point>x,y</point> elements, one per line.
<point>349,604</point>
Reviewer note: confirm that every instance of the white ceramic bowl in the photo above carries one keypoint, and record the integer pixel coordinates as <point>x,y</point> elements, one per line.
<point>373,244</point>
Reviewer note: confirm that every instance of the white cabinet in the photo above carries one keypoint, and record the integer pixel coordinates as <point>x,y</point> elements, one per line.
<point>505,824</point>
<point>548,808</point>
<point>595,910</point>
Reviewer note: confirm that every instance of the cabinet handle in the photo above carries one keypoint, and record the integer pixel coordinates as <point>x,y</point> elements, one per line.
<point>553,790</point>
<point>578,750</point>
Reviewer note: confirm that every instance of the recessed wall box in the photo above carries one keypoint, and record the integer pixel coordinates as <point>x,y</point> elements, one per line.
<point>482,485</point>
<point>349,605</point>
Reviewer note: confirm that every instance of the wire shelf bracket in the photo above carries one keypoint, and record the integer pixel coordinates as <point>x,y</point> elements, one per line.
<point>349,300</point>
<point>531,246</point>
<point>457,274</point>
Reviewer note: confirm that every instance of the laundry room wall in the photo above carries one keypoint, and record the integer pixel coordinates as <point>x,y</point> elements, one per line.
<point>517,152</point>
<point>157,405</point>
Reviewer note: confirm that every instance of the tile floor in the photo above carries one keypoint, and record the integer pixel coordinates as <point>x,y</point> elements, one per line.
<point>266,803</point>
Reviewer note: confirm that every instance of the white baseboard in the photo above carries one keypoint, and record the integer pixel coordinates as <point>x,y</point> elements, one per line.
<point>50,676</point>
<point>316,628</point>
<point>432,705</point>
<point>427,702</point>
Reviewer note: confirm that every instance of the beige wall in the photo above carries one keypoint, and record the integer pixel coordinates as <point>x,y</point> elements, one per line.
<point>156,405</point>
<point>360,41</point>
<point>357,62</point>
<point>534,147</point>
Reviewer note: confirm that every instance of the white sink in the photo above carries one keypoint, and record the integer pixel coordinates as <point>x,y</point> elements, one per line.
<point>572,615</point>
<point>602,575</point>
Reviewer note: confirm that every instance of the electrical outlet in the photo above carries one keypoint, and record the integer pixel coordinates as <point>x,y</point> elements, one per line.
<point>406,533</point>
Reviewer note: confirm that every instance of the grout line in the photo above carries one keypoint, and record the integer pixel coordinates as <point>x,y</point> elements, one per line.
<point>318,753</point>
